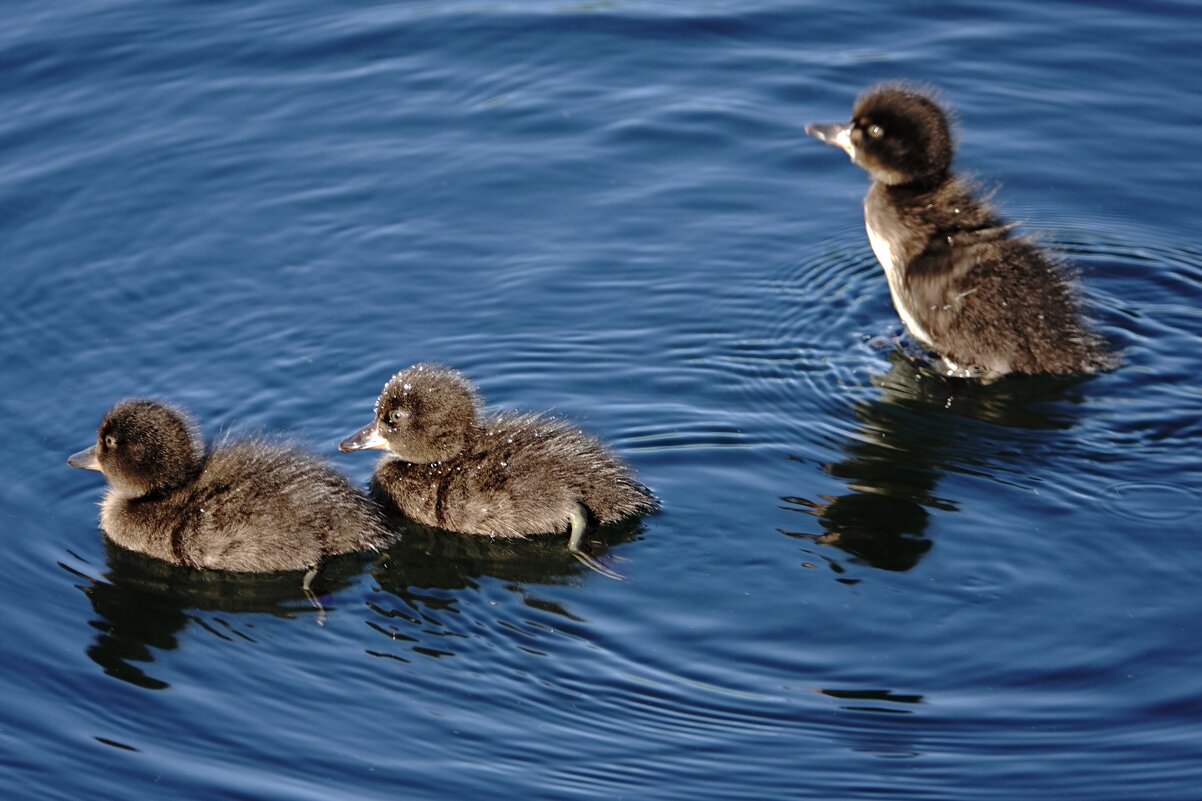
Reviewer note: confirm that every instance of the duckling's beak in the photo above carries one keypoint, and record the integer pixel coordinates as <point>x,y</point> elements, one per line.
<point>364,439</point>
<point>833,133</point>
<point>85,459</point>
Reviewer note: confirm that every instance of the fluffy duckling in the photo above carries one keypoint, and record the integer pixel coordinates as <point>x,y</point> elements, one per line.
<point>247,506</point>
<point>509,474</point>
<point>988,302</point>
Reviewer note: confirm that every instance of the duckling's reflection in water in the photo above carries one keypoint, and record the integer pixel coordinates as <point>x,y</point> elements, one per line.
<point>431,571</point>
<point>920,427</point>
<point>431,557</point>
<point>143,603</point>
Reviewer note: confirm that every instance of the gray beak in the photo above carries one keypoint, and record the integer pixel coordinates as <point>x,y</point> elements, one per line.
<point>364,439</point>
<point>833,133</point>
<point>85,459</point>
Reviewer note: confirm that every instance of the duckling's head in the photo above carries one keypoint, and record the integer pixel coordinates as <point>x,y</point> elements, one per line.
<point>898,134</point>
<point>142,447</point>
<point>425,414</point>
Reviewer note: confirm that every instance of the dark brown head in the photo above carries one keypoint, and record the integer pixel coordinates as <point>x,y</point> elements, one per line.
<point>142,447</point>
<point>898,134</point>
<point>426,414</point>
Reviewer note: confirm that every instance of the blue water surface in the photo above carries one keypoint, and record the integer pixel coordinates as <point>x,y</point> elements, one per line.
<point>867,582</point>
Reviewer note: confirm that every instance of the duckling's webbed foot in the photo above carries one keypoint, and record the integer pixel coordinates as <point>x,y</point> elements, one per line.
<point>579,520</point>
<point>307,588</point>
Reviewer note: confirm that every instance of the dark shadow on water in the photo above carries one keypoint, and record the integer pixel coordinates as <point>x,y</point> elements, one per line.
<point>435,576</point>
<point>142,604</point>
<point>880,701</point>
<point>431,557</point>
<point>922,426</point>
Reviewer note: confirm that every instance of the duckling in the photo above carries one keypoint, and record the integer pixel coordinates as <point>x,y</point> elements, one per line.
<point>510,474</point>
<point>250,506</point>
<point>988,302</point>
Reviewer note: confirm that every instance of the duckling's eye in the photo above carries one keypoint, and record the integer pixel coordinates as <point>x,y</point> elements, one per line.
<point>876,131</point>
<point>110,441</point>
<point>397,417</point>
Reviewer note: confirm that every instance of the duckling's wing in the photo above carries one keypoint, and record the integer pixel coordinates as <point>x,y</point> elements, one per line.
<point>962,271</point>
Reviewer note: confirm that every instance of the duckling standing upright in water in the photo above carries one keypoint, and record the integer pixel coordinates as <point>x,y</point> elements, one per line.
<point>246,506</point>
<point>509,474</point>
<point>987,302</point>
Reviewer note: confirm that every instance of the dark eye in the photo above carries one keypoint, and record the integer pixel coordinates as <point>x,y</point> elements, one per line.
<point>397,417</point>
<point>876,131</point>
<point>110,441</point>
